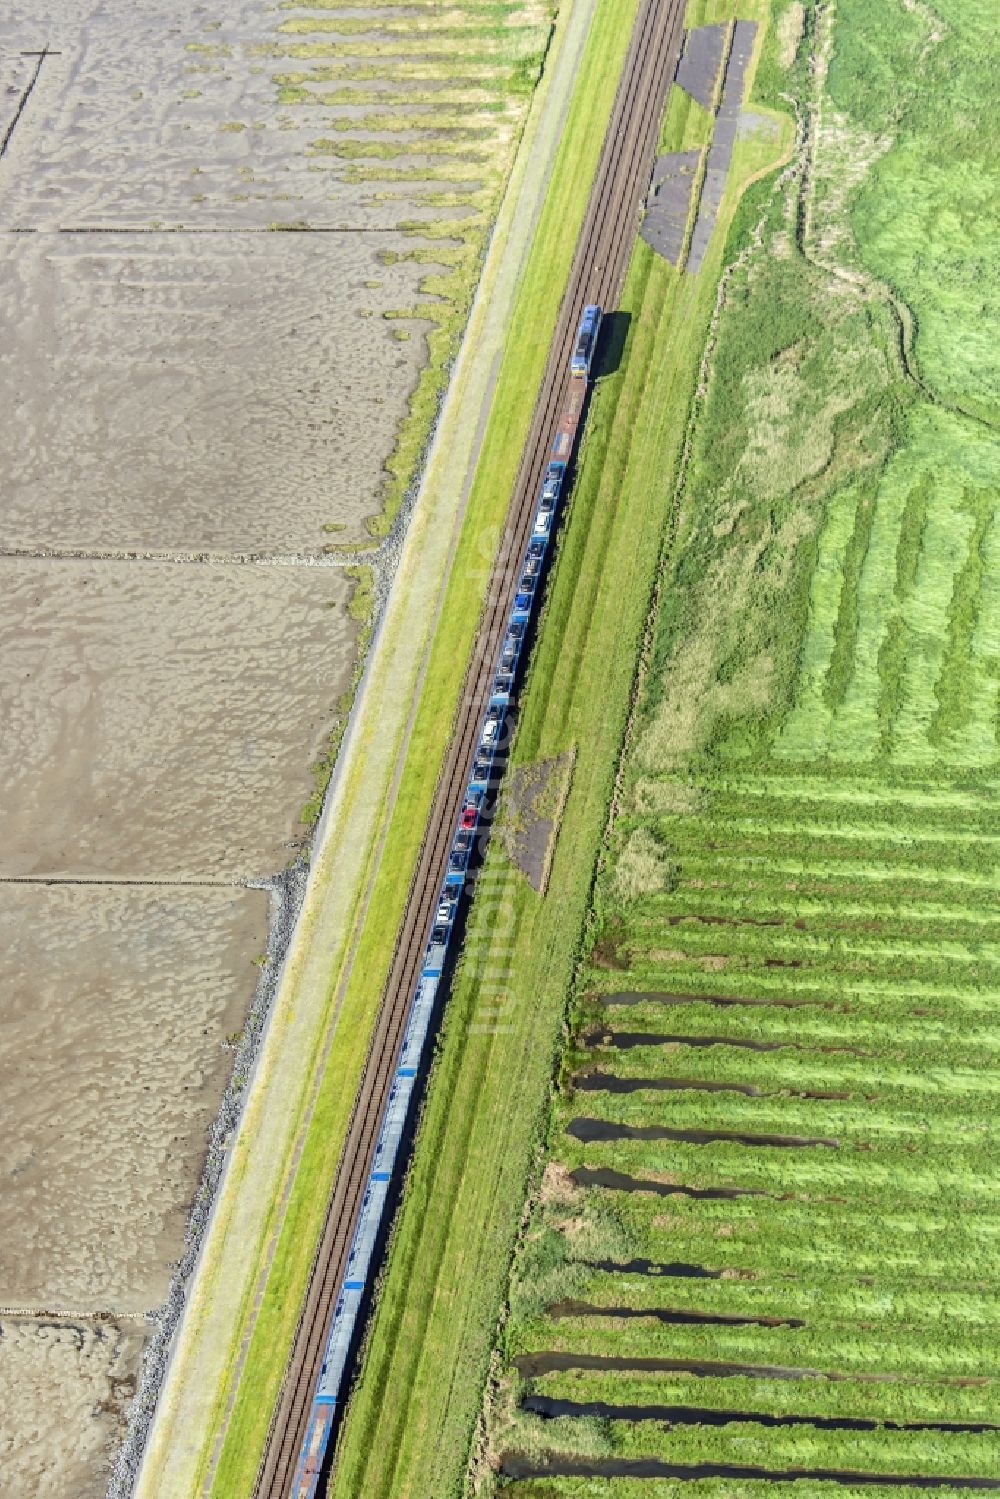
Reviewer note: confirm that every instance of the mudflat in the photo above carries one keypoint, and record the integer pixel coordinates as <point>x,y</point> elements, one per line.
<point>65,1386</point>
<point>200,410</point>
<point>199,392</point>
<point>160,719</point>
<point>150,117</point>
<point>118,1003</point>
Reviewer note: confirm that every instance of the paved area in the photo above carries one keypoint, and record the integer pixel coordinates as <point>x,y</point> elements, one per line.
<point>727,125</point>
<point>700,62</point>
<point>670,203</point>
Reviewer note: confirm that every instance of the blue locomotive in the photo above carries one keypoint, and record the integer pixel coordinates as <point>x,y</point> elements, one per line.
<point>586,341</point>
<point>360,1269</point>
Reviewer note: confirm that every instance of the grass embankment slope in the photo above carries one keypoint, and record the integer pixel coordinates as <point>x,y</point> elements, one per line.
<point>411,1424</point>
<point>518,379</point>
<point>796,1088</point>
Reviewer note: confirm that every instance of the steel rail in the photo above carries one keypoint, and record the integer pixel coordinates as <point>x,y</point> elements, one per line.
<point>597,273</point>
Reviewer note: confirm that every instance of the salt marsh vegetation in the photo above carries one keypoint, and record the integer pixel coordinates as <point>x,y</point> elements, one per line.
<point>763,1237</point>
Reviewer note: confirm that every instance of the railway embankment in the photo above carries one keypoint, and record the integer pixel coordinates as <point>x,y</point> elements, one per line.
<point>413,1418</point>
<point>209,1351</point>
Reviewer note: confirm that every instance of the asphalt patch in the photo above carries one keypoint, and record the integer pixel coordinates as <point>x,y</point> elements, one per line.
<point>699,65</point>
<point>727,125</point>
<point>669,203</point>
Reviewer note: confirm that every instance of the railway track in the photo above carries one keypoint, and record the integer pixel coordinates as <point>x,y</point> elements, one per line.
<point>608,233</point>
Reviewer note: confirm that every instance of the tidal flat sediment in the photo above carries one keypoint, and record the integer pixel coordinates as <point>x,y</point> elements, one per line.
<point>236,255</point>
<point>224,291</point>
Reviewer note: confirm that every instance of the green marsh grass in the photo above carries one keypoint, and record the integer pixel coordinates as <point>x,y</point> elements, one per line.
<point>647,1488</point>
<point>815,758</point>
<point>757,1446</point>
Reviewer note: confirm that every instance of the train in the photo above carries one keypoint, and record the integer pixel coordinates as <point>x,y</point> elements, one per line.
<point>585,342</point>
<point>361,1267</point>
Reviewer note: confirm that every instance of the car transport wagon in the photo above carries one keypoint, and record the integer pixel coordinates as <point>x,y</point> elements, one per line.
<point>361,1268</point>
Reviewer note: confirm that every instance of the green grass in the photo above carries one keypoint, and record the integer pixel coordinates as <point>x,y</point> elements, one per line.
<point>955,687</point>
<point>922,220</point>
<point>805,1088</point>
<point>756,1446</point>
<point>687,125</point>
<point>518,379</point>
<point>412,1418</point>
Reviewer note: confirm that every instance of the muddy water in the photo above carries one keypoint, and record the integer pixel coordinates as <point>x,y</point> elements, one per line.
<point>516,1466</point>
<point>605,1129</point>
<point>609,1082</point>
<point>637,997</point>
<point>194,409</point>
<point>679,1268</point>
<point>619,1181</point>
<point>688,1415</point>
